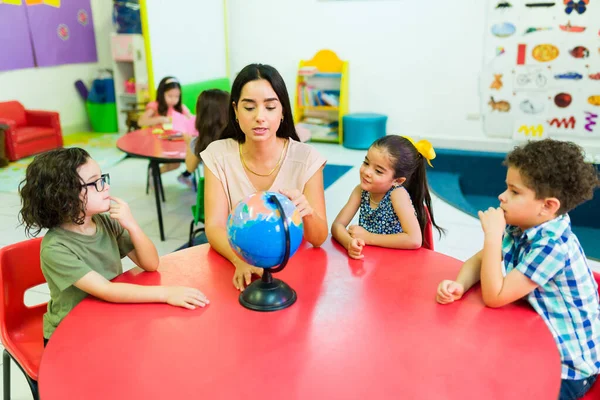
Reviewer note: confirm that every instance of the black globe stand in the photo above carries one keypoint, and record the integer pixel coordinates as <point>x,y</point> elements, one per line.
<point>268,293</point>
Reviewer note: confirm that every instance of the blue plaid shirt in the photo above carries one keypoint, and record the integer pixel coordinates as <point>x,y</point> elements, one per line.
<point>567,294</point>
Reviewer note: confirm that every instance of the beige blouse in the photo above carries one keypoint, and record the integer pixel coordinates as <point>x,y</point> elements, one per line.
<point>222,158</point>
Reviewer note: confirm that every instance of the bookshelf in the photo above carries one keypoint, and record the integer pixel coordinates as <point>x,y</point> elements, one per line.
<point>321,98</point>
<point>129,63</point>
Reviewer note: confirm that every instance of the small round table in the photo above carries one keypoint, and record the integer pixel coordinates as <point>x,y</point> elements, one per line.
<point>359,329</point>
<point>145,144</point>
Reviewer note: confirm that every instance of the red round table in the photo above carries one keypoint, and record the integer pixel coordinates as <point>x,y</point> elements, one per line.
<point>359,329</point>
<point>145,144</point>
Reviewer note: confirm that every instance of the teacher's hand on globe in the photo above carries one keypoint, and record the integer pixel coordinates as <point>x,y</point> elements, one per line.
<point>243,274</point>
<point>299,200</point>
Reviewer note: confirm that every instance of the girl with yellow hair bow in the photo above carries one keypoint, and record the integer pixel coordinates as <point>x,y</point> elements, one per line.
<point>392,198</point>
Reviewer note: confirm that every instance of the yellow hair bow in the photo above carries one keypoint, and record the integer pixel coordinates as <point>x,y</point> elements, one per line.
<point>424,148</point>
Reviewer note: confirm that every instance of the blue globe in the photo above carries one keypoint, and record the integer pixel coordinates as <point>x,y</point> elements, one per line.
<point>256,232</point>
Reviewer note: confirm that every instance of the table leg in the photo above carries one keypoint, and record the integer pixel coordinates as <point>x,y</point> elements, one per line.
<point>156,179</point>
<point>162,190</point>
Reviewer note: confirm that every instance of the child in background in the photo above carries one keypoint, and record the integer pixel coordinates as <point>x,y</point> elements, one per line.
<point>165,110</point>
<point>65,191</point>
<point>537,256</point>
<point>211,119</point>
<point>391,198</point>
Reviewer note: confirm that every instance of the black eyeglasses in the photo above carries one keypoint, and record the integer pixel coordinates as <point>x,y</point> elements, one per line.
<point>99,183</point>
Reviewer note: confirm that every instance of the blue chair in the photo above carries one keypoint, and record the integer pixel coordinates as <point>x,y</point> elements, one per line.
<point>362,129</point>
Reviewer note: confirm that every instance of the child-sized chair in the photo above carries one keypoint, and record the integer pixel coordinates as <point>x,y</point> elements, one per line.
<point>21,327</point>
<point>428,232</point>
<point>594,393</point>
<point>198,208</point>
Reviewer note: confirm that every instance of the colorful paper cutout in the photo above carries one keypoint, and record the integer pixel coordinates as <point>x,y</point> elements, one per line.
<point>503,30</point>
<point>532,29</point>
<point>545,52</point>
<point>571,75</point>
<point>532,130</point>
<point>563,122</point>
<point>570,28</point>
<point>579,52</point>
<point>578,6</point>
<point>594,100</point>
<point>563,100</point>
<point>590,118</point>
<point>521,54</point>
<point>500,106</point>
<point>497,83</point>
<point>531,107</point>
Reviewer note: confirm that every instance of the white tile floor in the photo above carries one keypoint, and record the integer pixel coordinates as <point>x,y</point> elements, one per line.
<point>464,236</point>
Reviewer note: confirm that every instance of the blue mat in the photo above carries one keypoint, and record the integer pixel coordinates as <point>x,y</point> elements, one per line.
<point>472,181</point>
<point>333,172</point>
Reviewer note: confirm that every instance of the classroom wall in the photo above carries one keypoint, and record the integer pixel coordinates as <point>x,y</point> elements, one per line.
<point>52,88</point>
<point>416,62</point>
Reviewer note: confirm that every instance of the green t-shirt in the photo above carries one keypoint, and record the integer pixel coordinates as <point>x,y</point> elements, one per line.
<point>67,256</point>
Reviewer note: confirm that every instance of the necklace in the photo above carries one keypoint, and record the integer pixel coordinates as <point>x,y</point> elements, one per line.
<point>274,168</point>
<point>373,202</point>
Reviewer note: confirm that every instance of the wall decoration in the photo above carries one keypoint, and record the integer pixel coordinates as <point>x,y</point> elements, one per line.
<point>571,76</point>
<point>577,6</point>
<point>563,122</point>
<point>497,83</point>
<point>570,28</point>
<point>579,52</point>
<point>47,33</point>
<point>503,30</point>
<point>503,5</point>
<point>531,107</point>
<point>545,52</point>
<point>544,5</point>
<point>15,39</point>
<point>590,118</point>
<point>501,106</point>
<point>551,77</point>
<point>563,100</point>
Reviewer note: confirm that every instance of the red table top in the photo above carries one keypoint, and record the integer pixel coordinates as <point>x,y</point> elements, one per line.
<point>144,143</point>
<point>359,329</point>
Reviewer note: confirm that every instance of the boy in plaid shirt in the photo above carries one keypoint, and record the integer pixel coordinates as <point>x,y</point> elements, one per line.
<point>538,256</point>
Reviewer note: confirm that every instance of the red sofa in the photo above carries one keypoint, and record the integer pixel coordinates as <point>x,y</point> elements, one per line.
<point>29,131</point>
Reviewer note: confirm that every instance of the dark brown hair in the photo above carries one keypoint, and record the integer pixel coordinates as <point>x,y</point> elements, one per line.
<point>255,72</point>
<point>553,168</point>
<point>50,192</point>
<point>410,164</point>
<point>164,87</point>
<point>211,117</point>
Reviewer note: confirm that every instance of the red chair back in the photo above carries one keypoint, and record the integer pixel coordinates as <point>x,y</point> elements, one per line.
<point>21,327</point>
<point>594,393</point>
<point>428,232</point>
<point>13,110</point>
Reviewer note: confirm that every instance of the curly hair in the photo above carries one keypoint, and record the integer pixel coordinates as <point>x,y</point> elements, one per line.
<point>553,168</point>
<point>50,192</point>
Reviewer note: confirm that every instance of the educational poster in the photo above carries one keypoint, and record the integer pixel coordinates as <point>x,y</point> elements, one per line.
<point>15,40</point>
<point>46,33</point>
<point>541,73</point>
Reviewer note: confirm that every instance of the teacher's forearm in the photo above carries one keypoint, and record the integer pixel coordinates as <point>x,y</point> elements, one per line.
<point>217,238</point>
<point>315,229</point>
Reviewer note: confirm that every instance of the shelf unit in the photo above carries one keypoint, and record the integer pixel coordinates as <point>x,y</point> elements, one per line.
<point>129,61</point>
<point>325,72</point>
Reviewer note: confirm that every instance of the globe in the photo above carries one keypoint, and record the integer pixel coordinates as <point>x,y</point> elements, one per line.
<point>256,231</point>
